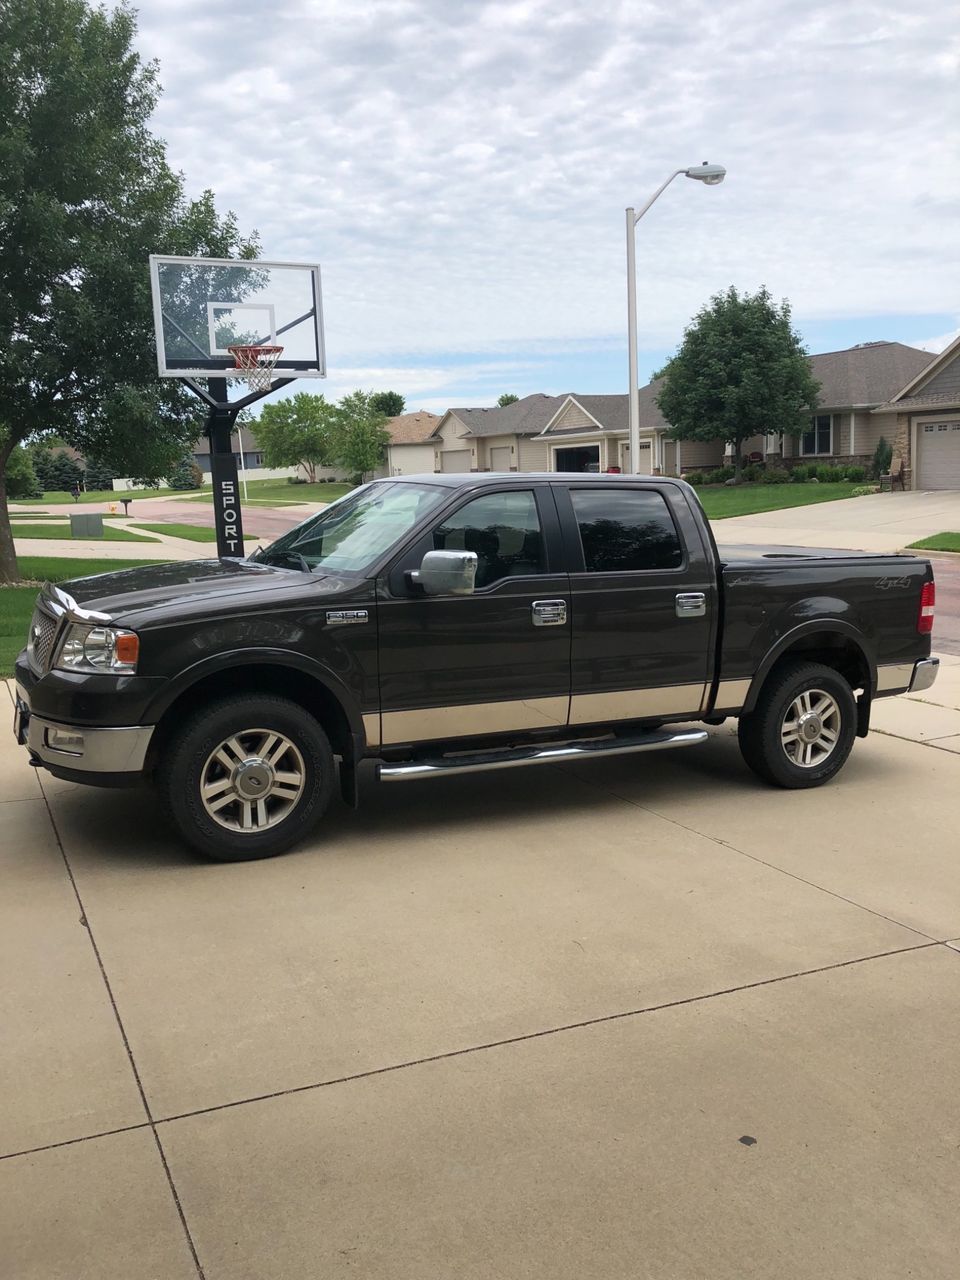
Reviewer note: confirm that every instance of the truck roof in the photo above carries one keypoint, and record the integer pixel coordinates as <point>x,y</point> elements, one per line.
<point>460,479</point>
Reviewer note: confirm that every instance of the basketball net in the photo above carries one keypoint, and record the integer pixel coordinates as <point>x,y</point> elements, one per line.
<point>255,365</point>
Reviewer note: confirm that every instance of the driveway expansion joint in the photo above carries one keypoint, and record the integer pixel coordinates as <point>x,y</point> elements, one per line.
<point>150,1122</point>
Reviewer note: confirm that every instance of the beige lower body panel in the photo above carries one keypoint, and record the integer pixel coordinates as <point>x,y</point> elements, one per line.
<point>371,728</point>
<point>732,694</point>
<point>637,704</point>
<point>473,719</point>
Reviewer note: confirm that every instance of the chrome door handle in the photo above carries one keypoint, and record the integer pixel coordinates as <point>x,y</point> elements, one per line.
<point>691,604</point>
<point>549,613</point>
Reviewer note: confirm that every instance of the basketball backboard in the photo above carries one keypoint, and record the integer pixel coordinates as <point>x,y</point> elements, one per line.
<point>202,306</point>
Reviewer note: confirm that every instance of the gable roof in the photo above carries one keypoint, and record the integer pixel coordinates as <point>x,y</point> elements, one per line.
<point>937,362</point>
<point>522,418</point>
<point>412,428</point>
<point>866,374</point>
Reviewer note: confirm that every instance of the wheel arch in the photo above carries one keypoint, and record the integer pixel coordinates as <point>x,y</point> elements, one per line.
<point>835,644</point>
<point>315,690</point>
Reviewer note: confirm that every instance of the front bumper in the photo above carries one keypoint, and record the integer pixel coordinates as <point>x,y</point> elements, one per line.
<point>72,750</point>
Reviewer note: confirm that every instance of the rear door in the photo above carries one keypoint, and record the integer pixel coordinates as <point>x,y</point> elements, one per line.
<point>643,599</point>
<point>490,663</point>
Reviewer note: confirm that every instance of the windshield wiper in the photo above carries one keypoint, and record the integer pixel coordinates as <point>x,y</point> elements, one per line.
<point>293,556</point>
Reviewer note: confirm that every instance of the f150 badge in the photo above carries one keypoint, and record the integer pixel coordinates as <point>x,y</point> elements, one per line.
<point>346,617</point>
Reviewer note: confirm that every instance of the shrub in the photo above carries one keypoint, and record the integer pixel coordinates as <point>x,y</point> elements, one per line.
<point>856,474</point>
<point>753,472</point>
<point>719,476</point>
<point>882,457</point>
<point>800,475</point>
<point>185,475</point>
<point>829,475</point>
<point>864,489</point>
<point>776,475</point>
<point>693,477</point>
<point>296,480</point>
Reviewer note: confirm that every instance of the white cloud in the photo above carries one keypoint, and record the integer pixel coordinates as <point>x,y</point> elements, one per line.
<point>460,168</point>
<point>937,344</point>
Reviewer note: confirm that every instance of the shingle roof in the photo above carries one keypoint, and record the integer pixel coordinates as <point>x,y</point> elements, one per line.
<point>867,374</point>
<point>933,401</point>
<point>412,428</point>
<point>523,418</point>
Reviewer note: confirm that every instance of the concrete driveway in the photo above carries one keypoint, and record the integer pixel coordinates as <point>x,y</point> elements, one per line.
<point>636,1018</point>
<point>878,522</point>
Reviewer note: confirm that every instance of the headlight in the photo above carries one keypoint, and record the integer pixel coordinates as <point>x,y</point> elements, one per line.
<point>92,648</point>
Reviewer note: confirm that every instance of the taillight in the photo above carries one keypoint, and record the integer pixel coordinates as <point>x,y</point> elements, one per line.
<point>928,597</point>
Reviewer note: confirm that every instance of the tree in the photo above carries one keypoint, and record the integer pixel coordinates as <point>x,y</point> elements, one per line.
<point>361,434</point>
<point>63,473</point>
<point>21,478</point>
<point>741,371</point>
<point>507,398</point>
<point>98,476</point>
<point>186,474</point>
<point>86,195</point>
<point>390,403</point>
<point>298,432</point>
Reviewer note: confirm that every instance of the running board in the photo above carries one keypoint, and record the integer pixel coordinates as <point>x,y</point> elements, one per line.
<point>511,758</point>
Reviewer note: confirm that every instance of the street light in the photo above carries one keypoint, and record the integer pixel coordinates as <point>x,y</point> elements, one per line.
<point>711,175</point>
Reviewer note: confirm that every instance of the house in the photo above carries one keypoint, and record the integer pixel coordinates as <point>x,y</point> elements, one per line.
<point>851,415</point>
<point>573,432</point>
<point>410,452</point>
<point>923,422</point>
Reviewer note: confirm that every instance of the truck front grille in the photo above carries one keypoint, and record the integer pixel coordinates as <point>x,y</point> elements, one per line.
<point>43,632</point>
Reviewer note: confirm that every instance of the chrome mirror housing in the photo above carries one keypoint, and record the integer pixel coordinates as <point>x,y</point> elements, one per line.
<point>447,573</point>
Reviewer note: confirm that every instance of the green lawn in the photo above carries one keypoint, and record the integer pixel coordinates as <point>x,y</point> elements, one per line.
<point>105,495</point>
<point>16,603</point>
<point>938,542</point>
<point>192,532</point>
<point>720,501</point>
<point>279,493</point>
<point>62,533</point>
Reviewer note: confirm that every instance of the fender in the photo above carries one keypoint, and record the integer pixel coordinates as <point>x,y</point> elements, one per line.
<point>815,626</point>
<point>214,664</point>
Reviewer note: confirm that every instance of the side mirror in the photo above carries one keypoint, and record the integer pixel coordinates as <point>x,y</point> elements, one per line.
<point>447,573</point>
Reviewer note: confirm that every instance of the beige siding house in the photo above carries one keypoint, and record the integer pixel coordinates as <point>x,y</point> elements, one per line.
<point>860,401</point>
<point>411,451</point>
<point>925,414</point>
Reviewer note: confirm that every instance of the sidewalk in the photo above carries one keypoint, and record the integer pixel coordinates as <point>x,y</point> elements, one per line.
<point>931,718</point>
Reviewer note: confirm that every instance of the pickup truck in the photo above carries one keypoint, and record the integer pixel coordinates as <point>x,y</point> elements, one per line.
<point>459,623</point>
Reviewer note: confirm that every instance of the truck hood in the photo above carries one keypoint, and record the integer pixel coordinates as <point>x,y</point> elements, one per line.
<point>195,586</point>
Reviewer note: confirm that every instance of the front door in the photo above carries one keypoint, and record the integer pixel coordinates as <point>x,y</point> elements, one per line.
<point>488,663</point>
<point>643,599</point>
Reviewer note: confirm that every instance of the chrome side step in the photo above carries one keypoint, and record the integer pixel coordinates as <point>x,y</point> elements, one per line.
<point>512,757</point>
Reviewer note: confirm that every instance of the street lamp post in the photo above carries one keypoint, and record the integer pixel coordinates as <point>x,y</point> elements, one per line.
<point>711,175</point>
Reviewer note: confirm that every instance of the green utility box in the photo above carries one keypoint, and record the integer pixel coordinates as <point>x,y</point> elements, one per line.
<point>86,524</point>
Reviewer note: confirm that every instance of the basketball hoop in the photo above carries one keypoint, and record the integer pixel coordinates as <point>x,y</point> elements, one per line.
<point>255,365</point>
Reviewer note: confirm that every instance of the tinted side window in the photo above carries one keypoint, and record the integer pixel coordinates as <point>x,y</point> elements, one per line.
<point>625,529</point>
<point>502,528</point>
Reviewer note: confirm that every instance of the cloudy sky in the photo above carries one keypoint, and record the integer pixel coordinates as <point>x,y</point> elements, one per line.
<point>460,169</point>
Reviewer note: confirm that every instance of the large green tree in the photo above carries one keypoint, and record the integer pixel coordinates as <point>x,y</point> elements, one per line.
<point>86,195</point>
<point>741,371</point>
<point>298,432</point>
<point>391,403</point>
<point>361,434</point>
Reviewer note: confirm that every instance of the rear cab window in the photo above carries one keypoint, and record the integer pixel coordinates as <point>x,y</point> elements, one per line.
<point>626,530</point>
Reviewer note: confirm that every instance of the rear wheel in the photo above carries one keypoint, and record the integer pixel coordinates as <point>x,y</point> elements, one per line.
<point>802,728</point>
<point>247,777</point>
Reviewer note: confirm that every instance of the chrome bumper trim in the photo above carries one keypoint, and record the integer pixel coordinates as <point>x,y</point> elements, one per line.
<point>120,750</point>
<point>924,674</point>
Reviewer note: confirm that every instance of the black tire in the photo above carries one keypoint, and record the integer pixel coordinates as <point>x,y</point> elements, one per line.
<point>282,797</point>
<point>763,731</point>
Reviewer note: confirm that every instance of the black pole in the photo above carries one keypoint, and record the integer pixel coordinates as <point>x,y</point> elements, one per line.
<point>223,472</point>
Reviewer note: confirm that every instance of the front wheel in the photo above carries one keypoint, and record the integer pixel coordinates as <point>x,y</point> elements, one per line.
<point>802,728</point>
<point>246,777</point>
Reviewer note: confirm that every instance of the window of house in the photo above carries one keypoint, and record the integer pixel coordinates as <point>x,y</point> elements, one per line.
<point>626,530</point>
<point>504,531</point>
<point>819,437</point>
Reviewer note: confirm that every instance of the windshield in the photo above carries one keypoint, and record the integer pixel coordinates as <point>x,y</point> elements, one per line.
<point>353,533</point>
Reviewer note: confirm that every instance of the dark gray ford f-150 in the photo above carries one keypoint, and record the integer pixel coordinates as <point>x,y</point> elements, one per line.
<point>447,623</point>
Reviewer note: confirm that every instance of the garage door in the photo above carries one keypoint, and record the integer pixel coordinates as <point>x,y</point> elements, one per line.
<point>938,455</point>
<point>501,458</point>
<point>455,460</point>
<point>646,458</point>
